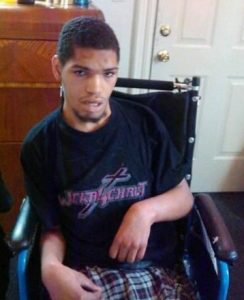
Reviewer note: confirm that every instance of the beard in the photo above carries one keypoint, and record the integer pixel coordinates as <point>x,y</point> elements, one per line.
<point>90,118</point>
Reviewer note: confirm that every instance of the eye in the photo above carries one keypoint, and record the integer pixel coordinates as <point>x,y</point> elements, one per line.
<point>80,73</point>
<point>109,73</point>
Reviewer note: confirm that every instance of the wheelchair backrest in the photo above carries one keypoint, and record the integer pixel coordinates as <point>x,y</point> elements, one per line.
<point>176,109</point>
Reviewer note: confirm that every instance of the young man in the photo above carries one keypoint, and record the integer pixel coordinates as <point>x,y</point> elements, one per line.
<point>104,180</point>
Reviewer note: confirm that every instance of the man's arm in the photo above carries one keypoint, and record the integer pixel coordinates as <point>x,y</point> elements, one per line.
<point>131,240</point>
<point>62,282</point>
<point>169,206</point>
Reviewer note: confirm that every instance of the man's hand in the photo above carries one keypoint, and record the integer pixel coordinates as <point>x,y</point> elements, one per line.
<point>64,283</point>
<point>130,242</point>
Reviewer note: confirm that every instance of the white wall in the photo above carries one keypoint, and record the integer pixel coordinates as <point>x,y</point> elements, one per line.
<point>119,14</point>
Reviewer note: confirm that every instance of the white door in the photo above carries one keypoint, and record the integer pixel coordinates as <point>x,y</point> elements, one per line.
<point>207,40</point>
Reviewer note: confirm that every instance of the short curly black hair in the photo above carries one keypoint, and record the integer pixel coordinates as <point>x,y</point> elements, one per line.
<point>86,32</point>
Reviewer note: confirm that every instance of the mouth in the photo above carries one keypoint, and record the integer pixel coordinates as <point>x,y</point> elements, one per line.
<point>92,105</point>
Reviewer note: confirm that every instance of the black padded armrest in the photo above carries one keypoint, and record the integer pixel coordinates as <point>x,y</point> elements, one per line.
<point>218,233</point>
<point>24,229</point>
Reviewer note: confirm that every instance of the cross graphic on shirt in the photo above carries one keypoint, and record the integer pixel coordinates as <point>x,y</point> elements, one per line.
<point>108,182</point>
<point>119,176</point>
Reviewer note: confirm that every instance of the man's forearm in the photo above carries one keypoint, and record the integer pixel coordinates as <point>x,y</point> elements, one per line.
<point>52,250</point>
<point>171,205</point>
<point>61,281</point>
<point>131,239</point>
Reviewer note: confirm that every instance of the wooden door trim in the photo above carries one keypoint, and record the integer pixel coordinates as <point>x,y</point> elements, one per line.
<point>145,13</point>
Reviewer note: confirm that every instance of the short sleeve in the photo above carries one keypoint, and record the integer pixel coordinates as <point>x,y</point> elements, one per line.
<point>168,169</point>
<point>39,185</point>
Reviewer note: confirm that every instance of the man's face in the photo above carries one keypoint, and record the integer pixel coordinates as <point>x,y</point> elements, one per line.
<point>88,79</point>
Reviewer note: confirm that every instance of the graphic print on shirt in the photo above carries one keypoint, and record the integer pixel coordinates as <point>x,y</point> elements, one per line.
<point>106,193</point>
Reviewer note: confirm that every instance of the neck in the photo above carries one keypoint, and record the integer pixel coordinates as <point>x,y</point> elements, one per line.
<point>90,126</point>
<point>86,126</point>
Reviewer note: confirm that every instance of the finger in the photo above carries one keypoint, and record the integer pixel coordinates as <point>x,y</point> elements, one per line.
<point>122,254</point>
<point>114,249</point>
<point>89,285</point>
<point>131,256</point>
<point>90,289</point>
<point>140,253</point>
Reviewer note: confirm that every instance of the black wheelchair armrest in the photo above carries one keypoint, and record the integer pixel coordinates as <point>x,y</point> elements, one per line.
<point>218,233</point>
<point>25,228</point>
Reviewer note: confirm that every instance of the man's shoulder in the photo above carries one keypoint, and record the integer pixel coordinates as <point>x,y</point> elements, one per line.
<point>43,127</point>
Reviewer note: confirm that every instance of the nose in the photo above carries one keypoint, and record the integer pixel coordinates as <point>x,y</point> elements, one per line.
<point>94,84</point>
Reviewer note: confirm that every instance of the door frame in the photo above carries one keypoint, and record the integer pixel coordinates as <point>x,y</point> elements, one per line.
<point>143,31</point>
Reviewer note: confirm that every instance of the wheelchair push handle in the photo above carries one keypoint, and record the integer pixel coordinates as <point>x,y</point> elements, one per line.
<point>187,84</point>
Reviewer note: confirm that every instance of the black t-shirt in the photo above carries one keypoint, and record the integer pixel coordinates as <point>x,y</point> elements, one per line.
<point>83,183</point>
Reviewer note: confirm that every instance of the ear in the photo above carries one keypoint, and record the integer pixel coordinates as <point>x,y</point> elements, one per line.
<point>56,67</point>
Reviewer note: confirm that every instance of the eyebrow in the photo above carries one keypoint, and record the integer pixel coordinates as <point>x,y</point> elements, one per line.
<point>88,69</point>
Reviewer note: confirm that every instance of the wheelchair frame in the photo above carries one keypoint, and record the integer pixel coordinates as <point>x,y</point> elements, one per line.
<point>211,223</point>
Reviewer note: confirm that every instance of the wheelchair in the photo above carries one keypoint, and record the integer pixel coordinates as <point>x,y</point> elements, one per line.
<point>206,247</point>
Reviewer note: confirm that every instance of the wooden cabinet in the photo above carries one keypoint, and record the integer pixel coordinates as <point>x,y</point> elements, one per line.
<point>28,90</point>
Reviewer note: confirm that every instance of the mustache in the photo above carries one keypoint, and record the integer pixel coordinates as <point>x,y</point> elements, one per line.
<point>92,99</point>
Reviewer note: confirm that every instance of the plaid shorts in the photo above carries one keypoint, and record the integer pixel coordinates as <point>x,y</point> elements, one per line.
<point>151,283</point>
